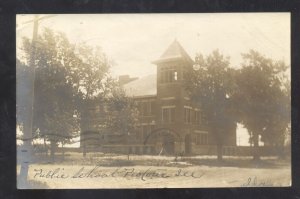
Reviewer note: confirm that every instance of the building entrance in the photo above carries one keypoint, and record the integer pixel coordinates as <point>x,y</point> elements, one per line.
<point>188,148</point>
<point>168,143</point>
<point>166,139</point>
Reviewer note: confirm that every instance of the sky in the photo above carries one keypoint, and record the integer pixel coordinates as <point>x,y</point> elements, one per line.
<point>133,41</point>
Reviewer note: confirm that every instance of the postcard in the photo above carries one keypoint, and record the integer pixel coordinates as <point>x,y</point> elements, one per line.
<point>109,101</point>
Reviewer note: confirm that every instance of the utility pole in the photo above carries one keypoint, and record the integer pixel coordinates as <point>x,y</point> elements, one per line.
<point>26,153</point>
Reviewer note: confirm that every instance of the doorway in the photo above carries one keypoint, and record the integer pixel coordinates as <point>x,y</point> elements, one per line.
<point>168,144</point>
<point>188,147</point>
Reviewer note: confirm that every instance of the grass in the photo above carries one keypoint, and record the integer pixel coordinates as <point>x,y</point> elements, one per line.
<point>112,160</point>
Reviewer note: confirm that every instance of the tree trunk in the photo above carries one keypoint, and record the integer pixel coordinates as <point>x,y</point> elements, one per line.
<point>220,152</point>
<point>83,141</point>
<point>84,150</point>
<point>219,142</point>
<point>45,146</point>
<point>63,151</point>
<point>280,151</point>
<point>52,150</point>
<point>86,115</point>
<point>256,155</point>
<point>127,152</point>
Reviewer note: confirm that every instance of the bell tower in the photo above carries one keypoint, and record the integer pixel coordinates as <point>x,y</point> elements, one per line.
<point>170,70</point>
<point>171,95</point>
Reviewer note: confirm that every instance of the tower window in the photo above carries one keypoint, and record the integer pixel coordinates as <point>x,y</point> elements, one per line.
<point>175,75</point>
<point>168,74</point>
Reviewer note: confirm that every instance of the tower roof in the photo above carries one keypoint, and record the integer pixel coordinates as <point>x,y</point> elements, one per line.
<point>174,52</point>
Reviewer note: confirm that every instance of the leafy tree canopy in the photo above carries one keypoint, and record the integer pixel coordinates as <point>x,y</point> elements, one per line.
<point>211,85</point>
<point>262,97</point>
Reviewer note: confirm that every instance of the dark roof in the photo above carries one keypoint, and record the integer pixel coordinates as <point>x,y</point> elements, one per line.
<point>145,86</point>
<point>174,52</point>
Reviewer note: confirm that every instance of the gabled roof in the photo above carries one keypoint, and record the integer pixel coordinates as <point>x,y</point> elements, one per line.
<point>145,86</point>
<point>174,52</point>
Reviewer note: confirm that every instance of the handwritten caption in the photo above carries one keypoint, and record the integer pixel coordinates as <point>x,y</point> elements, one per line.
<point>96,172</point>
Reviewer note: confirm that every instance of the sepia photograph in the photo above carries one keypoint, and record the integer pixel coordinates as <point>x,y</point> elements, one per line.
<point>135,101</point>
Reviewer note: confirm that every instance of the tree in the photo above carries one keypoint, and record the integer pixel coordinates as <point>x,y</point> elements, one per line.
<point>262,103</point>
<point>91,77</point>
<point>66,127</point>
<point>68,77</point>
<point>123,112</point>
<point>277,124</point>
<point>211,86</point>
<point>91,81</point>
<point>53,91</point>
<point>122,117</point>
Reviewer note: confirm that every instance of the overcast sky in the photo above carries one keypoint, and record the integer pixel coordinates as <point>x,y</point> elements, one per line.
<point>134,40</point>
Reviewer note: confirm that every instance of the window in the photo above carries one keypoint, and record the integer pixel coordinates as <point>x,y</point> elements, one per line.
<point>168,74</point>
<point>145,108</point>
<point>168,114</point>
<point>188,115</point>
<point>175,75</point>
<point>197,117</point>
<point>152,107</point>
<point>203,119</point>
<point>201,139</point>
